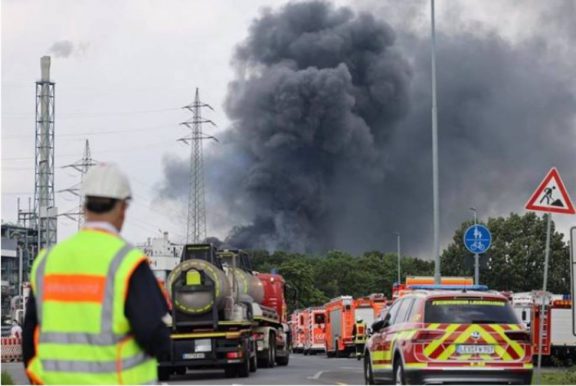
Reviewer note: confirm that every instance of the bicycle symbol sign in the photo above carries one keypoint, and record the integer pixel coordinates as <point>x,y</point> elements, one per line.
<point>477,238</point>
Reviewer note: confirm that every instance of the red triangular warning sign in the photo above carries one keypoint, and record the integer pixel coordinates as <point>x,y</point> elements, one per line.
<point>551,196</point>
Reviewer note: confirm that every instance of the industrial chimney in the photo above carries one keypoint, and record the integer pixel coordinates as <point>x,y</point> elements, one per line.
<point>45,210</point>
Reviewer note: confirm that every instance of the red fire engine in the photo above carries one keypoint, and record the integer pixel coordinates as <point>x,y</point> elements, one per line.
<point>314,327</point>
<point>339,323</point>
<point>557,338</point>
<point>297,330</point>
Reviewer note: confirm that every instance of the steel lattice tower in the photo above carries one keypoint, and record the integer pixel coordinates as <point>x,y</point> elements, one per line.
<point>196,220</point>
<point>44,205</point>
<point>81,166</point>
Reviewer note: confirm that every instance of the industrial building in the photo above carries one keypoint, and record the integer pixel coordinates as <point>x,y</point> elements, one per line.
<point>164,255</point>
<point>19,248</point>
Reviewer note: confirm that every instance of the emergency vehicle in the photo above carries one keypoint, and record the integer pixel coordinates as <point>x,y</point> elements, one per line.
<point>314,327</point>
<point>297,330</point>
<point>341,315</point>
<point>340,319</point>
<point>558,340</point>
<point>449,334</point>
<point>398,289</point>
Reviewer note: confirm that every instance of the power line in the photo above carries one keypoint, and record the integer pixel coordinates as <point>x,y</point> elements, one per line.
<point>85,133</point>
<point>124,149</point>
<point>27,115</point>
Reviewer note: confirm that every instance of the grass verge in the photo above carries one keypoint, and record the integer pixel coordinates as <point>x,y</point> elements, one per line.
<point>560,377</point>
<point>6,379</point>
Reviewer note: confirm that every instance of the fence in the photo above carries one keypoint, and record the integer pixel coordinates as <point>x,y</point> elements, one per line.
<point>11,350</point>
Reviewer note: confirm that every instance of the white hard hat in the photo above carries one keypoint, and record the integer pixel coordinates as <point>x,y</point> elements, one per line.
<point>106,180</point>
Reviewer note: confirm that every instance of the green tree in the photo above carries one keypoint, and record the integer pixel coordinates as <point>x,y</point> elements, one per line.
<point>298,273</point>
<point>515,261</point>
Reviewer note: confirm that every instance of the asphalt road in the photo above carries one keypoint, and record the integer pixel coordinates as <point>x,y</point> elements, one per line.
<point>302,370</point>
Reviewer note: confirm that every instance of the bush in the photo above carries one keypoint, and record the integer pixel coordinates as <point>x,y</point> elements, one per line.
<point>6,379</point>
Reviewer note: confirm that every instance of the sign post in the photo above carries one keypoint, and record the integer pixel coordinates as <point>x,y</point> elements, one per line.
<point>477,239</point>
<point>573,276</point>
<point>550,197</point>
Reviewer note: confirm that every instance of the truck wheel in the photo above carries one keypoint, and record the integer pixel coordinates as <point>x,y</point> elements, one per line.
<point>164,373</point>
<point>329,354</point>
<point>273,350</point>
<point>283,361</point>
<point>270,354</point>
<point>254,363</point>
<point>337,352</point>
<point>244,368</point>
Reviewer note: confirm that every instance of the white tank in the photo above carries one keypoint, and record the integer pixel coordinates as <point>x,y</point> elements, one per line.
<point>249,285</point>
<point>199,302</point>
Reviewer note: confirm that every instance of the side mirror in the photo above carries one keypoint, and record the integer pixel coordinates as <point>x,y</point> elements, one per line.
<point>377,325</point>
<point>523,315</point>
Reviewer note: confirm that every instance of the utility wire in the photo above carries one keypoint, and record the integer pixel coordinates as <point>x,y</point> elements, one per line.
<point>27,115</point>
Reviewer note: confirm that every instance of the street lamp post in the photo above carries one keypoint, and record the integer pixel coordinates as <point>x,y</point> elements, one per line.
<point>398,249</point>
<point>436,217</point>
<point>476,256</point>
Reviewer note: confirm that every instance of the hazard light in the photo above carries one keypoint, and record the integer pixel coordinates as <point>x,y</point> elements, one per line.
<point>562,303</point>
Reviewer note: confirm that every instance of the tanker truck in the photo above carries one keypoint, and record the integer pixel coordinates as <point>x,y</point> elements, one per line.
<point>224,315</point>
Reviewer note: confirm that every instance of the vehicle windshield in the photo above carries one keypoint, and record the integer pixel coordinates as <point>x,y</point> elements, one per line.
<point>319,318</point>
<point>466,311</point>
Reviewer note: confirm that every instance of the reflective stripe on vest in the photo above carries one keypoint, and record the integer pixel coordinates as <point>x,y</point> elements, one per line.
<point>108,355</point>
<point>92,367</point>
<point>106,336</point>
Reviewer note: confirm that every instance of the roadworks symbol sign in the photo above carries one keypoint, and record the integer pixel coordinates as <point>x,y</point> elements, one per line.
<point>551,196</point>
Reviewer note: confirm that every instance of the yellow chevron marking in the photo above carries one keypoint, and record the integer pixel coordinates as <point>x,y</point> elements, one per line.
<point>462,338</point>
<point>435,344</point>
<point>448,351</point>
<point>500,351</point>
<point>515,346</point>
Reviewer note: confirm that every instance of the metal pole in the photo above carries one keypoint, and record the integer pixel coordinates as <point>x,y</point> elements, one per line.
<point>20,271</point>
<point>476,256</point>
<point>398,246</point>
<point>543,306</point>
<point>435,155</point>
<point>477,268</point>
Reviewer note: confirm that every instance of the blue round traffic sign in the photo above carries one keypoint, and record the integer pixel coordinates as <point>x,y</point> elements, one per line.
<point>477,238</point>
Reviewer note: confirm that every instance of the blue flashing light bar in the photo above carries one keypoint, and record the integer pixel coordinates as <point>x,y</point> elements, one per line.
<point>477,287</point>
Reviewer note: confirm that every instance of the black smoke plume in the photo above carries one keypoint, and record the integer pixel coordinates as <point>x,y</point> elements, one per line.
<point>330,142</point>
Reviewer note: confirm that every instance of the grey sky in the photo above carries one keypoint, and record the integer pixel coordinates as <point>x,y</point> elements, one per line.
<point>126,67</point>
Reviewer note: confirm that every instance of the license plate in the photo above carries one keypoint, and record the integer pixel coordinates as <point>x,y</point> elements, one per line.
<point>475,349</point>
<point>194,355</point>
